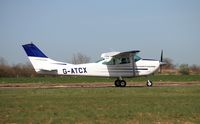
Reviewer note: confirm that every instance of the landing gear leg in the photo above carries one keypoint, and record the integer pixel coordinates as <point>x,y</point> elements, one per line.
<point>120,83</point>
<point>149,83</point>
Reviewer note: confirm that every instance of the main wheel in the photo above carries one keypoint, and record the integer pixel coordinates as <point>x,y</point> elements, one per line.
<point>117,83</point>
<point>122,83</point>
<point>149,83</point>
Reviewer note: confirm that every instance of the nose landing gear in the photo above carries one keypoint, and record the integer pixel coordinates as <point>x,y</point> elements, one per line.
<point>149,83</point>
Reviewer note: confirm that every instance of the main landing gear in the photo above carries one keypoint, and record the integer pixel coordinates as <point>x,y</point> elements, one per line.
<point>122,83</point>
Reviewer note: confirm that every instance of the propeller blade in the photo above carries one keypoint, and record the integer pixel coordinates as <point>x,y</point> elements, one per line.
<point>161,61</point>
<point>161,57</point>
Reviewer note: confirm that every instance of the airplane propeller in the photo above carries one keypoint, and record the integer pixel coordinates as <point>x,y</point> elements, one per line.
<point>161,61</point>
<point>161,57</point>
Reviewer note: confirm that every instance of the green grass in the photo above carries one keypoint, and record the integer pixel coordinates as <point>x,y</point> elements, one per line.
<point>70,79</point>
<point>101,105</point>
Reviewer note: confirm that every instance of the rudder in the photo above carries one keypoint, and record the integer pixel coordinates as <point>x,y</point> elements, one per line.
<point>32,51</point>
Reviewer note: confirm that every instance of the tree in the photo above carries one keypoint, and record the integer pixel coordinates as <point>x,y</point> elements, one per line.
<point>80,58</point>
<point>184,69</point>
<point>195,69</point>
<point>169,63</point>
<point>2,61</point>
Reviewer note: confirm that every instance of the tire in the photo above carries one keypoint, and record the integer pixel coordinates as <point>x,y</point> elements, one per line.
<point>122,83</point>
<point>149,83</point>
<point>117,83</point>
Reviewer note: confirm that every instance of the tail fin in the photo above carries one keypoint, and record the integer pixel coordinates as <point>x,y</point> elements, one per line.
<point>40,62</point>
<point>33,51</point>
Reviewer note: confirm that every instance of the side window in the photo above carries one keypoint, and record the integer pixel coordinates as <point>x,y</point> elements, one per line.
<point>124,61</point>
<point>109,62</point>
<point>117,61</point>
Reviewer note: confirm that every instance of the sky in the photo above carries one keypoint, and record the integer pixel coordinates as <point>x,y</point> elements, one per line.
<point>61,28</point>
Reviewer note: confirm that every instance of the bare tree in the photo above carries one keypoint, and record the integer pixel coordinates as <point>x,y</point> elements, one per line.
<point>195,69</point>
<point>80,58</point>
<point>169,63</point>
<point>2,61</point>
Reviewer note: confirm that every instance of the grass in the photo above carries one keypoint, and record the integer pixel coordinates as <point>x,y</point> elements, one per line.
<point>70,79</point>
<point>101,105</point>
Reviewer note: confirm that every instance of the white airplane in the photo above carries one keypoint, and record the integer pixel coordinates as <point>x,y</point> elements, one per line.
<point>112,64</point>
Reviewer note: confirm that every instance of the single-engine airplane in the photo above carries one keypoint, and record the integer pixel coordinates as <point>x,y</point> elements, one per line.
<point>113,64</point>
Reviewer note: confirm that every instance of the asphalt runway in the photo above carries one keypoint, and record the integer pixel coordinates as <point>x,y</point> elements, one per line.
<point>93,85</point>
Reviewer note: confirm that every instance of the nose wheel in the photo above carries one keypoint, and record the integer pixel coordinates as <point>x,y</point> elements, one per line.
<point>120,83</point>
<point>149,83</point>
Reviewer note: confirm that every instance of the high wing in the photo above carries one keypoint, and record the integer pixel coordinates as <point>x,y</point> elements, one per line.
<point>126,54</point>
<point>119,54</point>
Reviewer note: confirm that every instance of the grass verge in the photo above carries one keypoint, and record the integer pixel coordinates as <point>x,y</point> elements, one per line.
<point>101,105</point>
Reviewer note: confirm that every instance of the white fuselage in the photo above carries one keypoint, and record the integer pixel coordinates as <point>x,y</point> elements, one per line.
<point>49,66</point>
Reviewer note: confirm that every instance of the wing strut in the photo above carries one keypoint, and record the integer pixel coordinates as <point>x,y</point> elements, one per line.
<point>133,62</point>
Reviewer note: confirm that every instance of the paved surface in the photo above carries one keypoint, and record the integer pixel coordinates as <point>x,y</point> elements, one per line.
<point>94,85</point>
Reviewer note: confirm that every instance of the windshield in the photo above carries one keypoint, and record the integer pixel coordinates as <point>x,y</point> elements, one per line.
<point>136,58</point>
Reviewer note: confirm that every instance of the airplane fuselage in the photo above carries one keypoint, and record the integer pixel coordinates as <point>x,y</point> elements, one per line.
<point>48,66</point>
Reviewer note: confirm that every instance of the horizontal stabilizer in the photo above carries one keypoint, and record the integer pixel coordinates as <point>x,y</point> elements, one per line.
<point>49,70</point>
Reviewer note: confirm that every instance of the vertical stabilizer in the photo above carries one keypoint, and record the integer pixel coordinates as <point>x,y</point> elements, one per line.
<point>38,59</point>
<point>33,51</point>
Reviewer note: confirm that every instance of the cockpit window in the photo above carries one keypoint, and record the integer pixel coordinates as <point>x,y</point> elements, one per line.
<point>136,58</point>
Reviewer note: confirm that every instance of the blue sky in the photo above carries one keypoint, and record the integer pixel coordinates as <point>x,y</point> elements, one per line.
<point>64,27</point>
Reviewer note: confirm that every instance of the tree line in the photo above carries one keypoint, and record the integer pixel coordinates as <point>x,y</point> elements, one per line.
<point>26,70</point>
<point>183,69</point>
<point>18,70</point>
